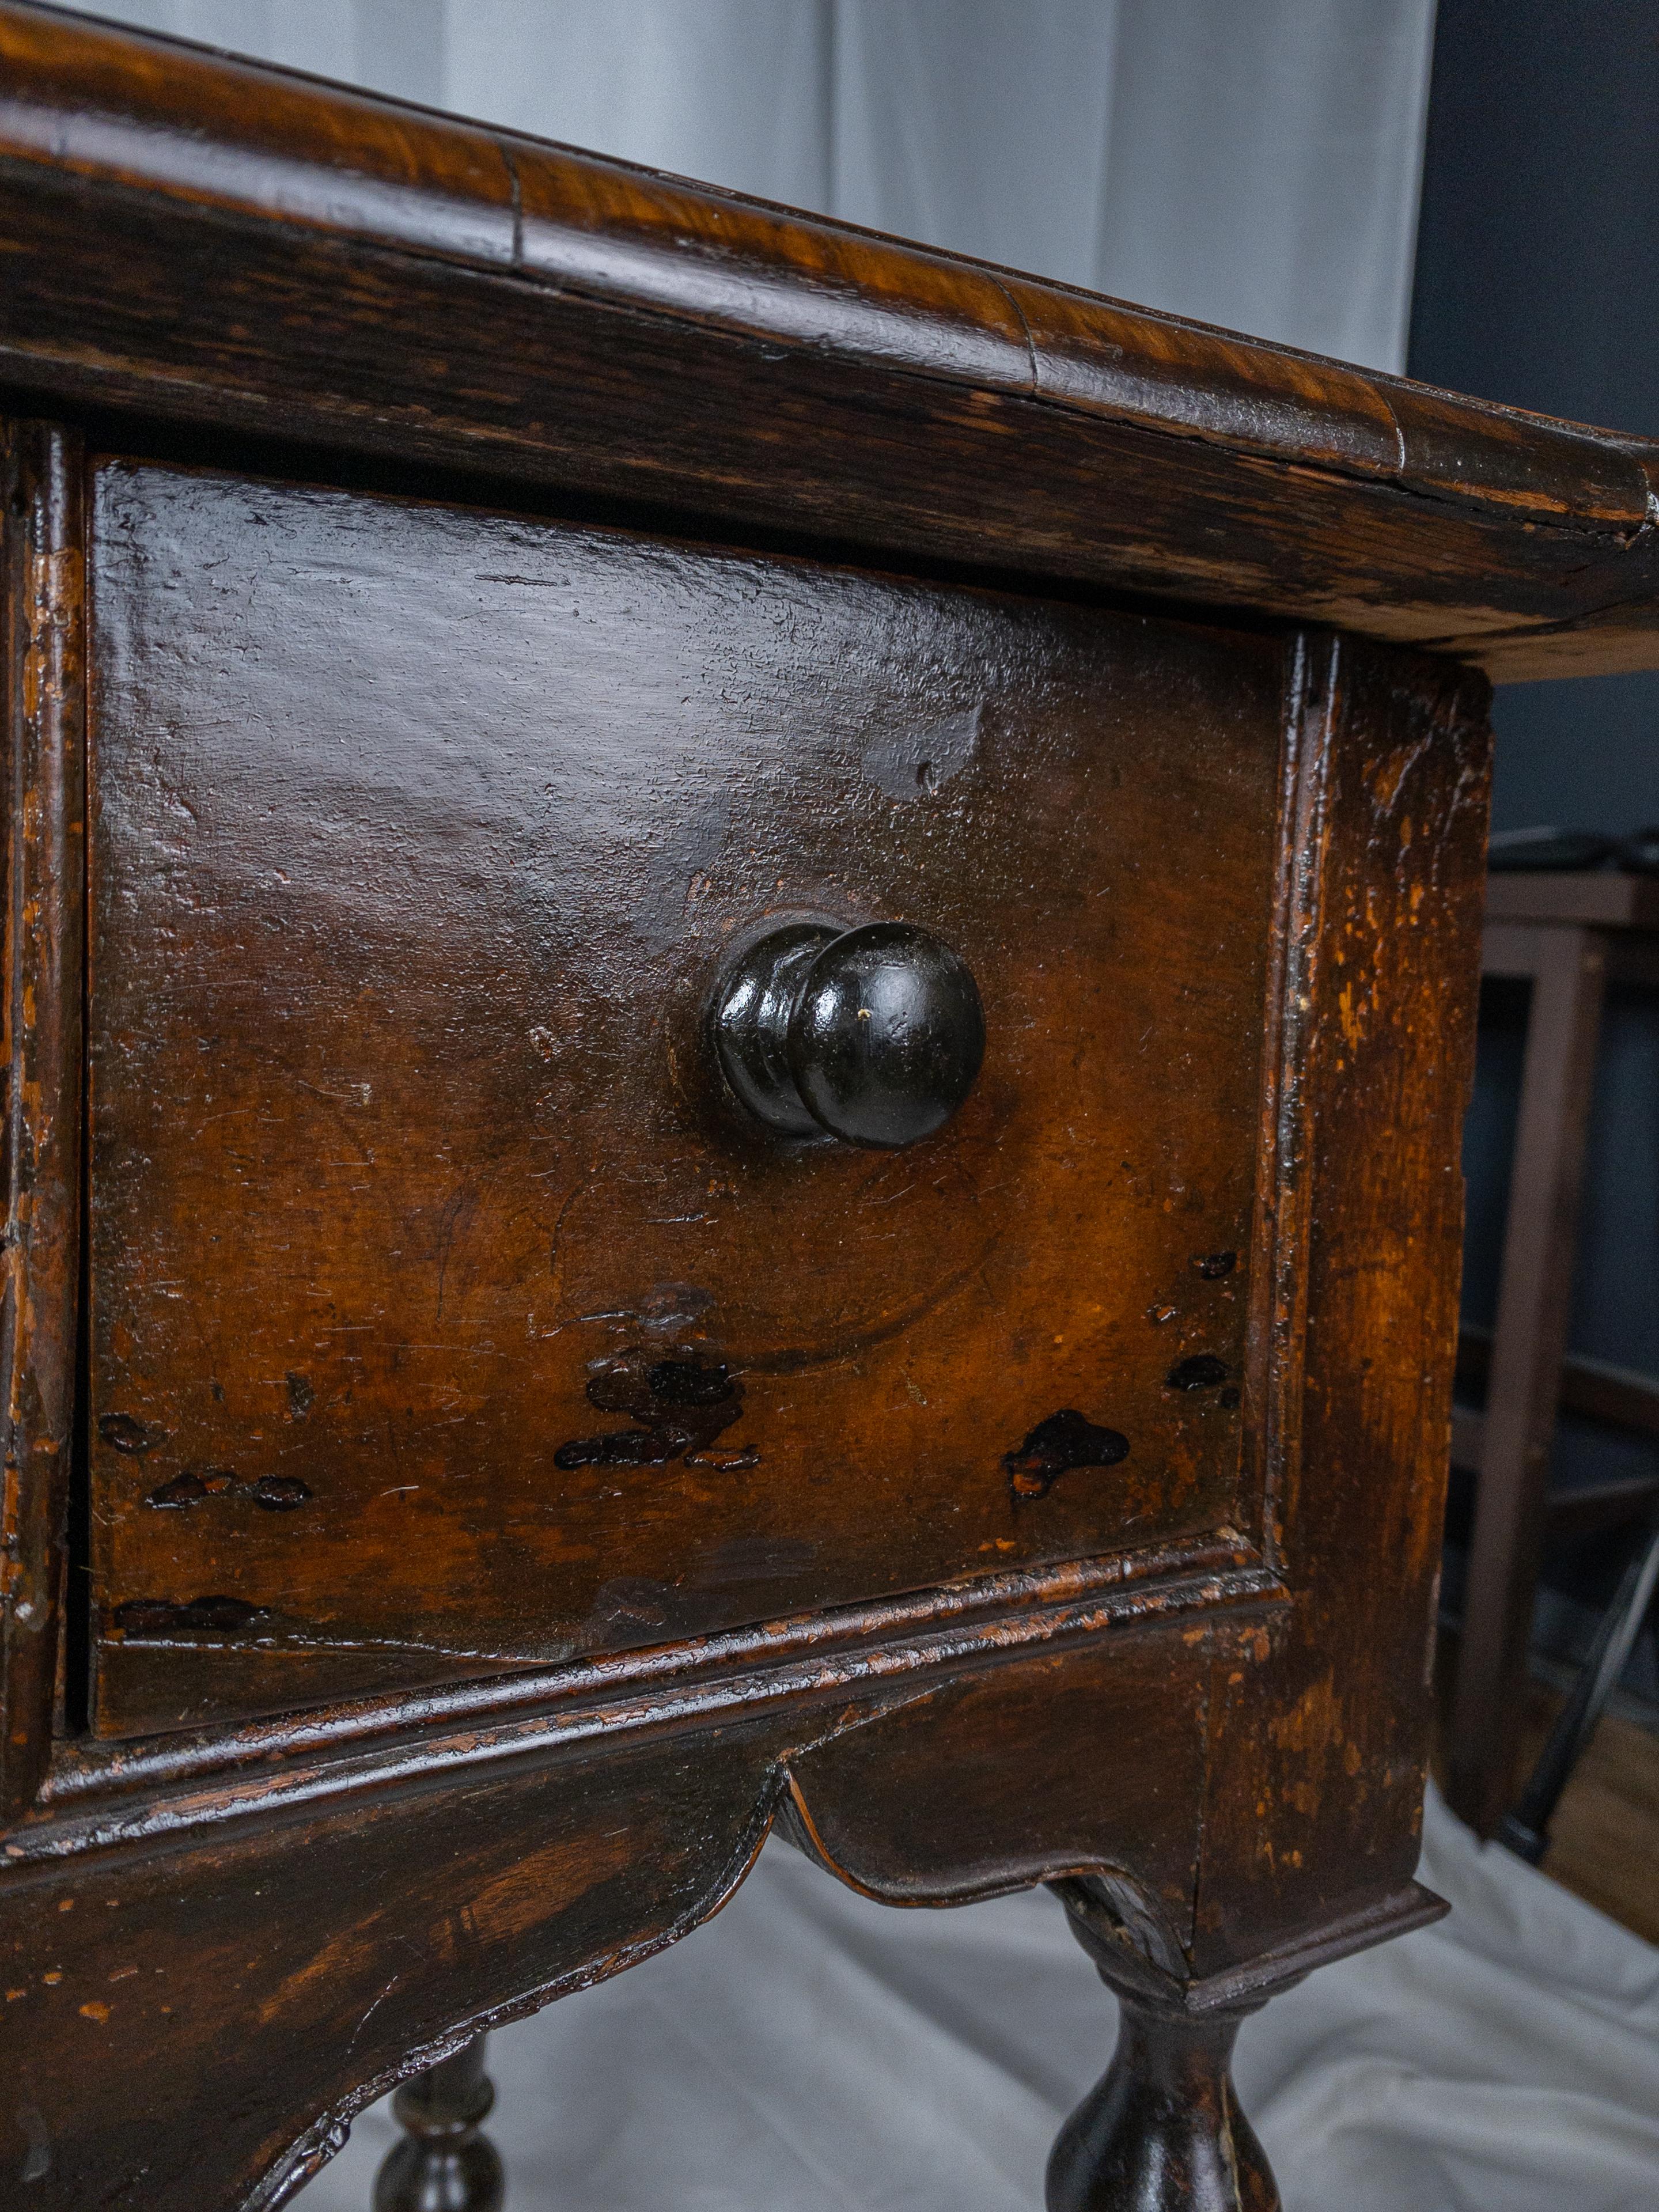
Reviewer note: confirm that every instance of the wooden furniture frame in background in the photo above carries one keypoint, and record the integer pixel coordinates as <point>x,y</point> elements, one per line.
<point>1569,936</point>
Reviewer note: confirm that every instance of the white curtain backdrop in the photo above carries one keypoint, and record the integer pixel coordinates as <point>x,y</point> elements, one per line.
<point>1250,162</point>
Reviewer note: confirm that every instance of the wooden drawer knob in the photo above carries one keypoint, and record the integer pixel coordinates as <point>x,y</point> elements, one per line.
<point>873,1034</point>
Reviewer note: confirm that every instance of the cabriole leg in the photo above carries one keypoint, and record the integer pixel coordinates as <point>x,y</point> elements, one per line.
<point>445,2165</point>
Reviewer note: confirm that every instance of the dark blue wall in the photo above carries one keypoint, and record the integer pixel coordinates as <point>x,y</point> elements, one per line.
<point>1538,284</point>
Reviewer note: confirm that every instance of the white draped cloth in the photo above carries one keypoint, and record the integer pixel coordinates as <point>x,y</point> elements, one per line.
<point>810,2051</point>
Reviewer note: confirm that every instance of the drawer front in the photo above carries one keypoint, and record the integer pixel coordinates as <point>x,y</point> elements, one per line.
<point>418,837</point>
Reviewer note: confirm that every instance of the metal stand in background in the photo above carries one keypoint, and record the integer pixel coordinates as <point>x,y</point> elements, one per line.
<point>1525,1830</point>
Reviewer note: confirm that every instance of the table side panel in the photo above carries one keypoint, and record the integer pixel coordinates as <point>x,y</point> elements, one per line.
<point>1319,1755</point>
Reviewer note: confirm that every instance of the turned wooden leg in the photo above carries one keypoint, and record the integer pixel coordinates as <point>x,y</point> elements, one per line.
<point>445,2165</point>
<point>1164,2132</point>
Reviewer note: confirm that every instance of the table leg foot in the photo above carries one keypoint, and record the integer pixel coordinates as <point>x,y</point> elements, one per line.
<point>444,2165</point>
<point>1162,2131</point>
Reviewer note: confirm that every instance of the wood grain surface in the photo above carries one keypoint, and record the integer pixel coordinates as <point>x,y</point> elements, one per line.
<point>1231,1791</point>
<point>420,837</point>
<point>239,1989</point>
<point>1315,1779</point>
<point>42,868</point>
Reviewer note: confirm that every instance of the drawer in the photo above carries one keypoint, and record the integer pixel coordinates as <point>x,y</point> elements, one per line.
<point>419,837</point>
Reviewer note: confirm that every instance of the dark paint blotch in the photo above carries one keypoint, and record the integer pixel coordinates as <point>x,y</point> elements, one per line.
<point>280,1493</point>
<point>152,1616</point>
<point>277,1493</point>
<point>1065,1440</point>
<point>183,1490</point>
<point>680,1402</point>
<point>301,1397</point>
<point>1202,1371</point>
<point>1231,1396</point>
<point>123,1433</point>
<point>616,1448</point>
<point>1213,1266</point>
<point>689,1382</point>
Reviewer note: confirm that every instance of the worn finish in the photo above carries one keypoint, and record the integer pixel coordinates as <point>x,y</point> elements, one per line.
<point>483,301</point>
<point>1315,1783</point>
<point>1164,2127</point>
<point>231,2002</point>
<point>42,862</point>
<point>507,1476</point>
<point>280,1956</point>
<point>409,962</point>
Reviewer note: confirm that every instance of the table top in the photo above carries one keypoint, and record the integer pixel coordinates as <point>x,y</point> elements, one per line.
<point>210,241</point>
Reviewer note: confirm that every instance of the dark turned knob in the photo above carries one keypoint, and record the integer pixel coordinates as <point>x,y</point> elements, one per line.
<point>875,1035</point>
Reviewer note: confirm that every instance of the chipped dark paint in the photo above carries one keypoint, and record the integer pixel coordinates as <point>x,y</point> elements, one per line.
<point>151,1616</point>
<point>123,1433</point>
<point>277,1493</point>
<point>685,1381</point>
<point>183,1490</point>
<point>1202,1371</point>
<point>1215,1266</point>
<point>616,1448</point>
<point>682,1399</point>
<point>1065,1440</point>
<point>301,1396</point>
<point>191,1488</point>
<point>280,1493</point>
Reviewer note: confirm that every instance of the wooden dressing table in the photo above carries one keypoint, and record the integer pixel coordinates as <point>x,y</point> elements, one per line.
<point>739,974</point>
